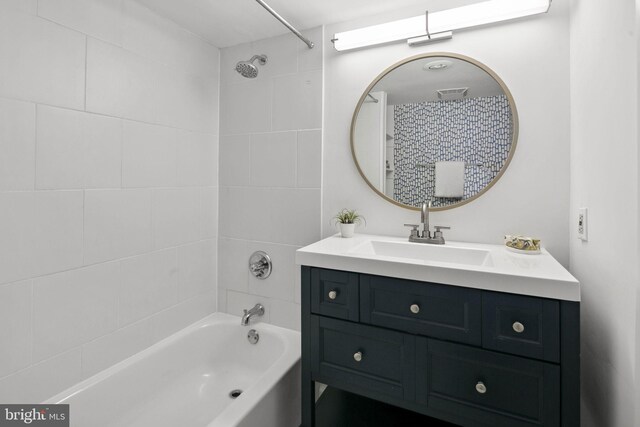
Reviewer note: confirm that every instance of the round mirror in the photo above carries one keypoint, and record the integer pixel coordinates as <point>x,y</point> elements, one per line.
<point>436,127</point>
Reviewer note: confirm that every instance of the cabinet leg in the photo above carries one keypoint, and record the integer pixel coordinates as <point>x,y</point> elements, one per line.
<point>308,403</point>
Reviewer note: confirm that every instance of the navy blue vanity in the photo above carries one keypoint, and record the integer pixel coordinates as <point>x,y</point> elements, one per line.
<point>472,357</point>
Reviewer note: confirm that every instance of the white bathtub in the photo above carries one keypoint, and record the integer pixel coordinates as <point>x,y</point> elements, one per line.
<point>185,380</point>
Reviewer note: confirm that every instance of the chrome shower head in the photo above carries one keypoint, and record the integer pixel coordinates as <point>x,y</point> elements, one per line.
<point>248,69</point>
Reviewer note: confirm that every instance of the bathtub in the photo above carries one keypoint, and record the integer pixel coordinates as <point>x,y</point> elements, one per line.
<point>186,380</point>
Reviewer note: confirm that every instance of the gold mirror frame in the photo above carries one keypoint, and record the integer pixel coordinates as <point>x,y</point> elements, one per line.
<point>478,64</point>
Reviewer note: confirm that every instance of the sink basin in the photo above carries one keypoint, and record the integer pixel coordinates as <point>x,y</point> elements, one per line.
<point>425,252</point>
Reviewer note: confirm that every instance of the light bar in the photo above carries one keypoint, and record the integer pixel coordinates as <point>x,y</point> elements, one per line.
<point>474,15</point>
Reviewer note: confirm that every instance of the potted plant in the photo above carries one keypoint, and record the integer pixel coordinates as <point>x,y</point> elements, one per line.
<point>348,219</point>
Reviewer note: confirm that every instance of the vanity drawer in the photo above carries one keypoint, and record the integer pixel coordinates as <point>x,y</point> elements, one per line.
<point>486,387</point>
<point>362,357</point>
<point>522,325</point>
<point>334,293</point>
<point>439,311</point>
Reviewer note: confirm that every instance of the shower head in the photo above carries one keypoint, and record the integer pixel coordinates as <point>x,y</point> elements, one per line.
<point>248,69</point>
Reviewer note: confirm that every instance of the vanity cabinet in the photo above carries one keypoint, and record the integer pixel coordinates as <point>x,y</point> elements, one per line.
<point>467,356</point>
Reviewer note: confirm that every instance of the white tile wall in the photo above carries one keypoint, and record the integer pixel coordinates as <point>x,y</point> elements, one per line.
<point>196,271</point>
<point>233,257</point>
<point>42,380</point>
<point>273,159</point>
<point>157,38</point>
<point>101,19</point>
<point>149,155</point>
<point>26,6</point>
<point>110,349</point>
<point>117,224</point>
<point>270,172</point>
<point>279,215</point>
<point>235,160</point>
<point>195,159</point>
<point>210,212</point>
<point>149,284</point>
<point>15,326</point>
<point>74,307</point>
<point>176,217</point>
<point>309,151</point>
<point>17,145</point>
<point>77,150</point>
<point>41,61</point>
<point>297,101</point>
<point>123,84</point>
<point>177,317</point>
<point>247,106</point>
<point>41,233</point>
<point>108,187</point>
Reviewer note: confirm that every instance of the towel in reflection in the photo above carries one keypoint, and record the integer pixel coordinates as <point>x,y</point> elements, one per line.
<point>450,179</point>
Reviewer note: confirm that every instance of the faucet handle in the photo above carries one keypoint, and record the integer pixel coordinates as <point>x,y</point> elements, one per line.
<point>440,227</point>
<point>414,229</point>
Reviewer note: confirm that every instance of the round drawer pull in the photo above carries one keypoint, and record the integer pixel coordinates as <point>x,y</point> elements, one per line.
<point>358,356</point>
<point>415,308</point>
<point>333,295</point>
<point>481,388</point>
<point>518,327</point>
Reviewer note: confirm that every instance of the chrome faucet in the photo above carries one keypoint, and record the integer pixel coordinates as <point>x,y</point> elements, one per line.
<point>257,310</point>
<point>424,218</point>
<point>437,238</point>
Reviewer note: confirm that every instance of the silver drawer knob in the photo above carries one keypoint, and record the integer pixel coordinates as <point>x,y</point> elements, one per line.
<point>481,388</point>
<point>518,327</point>
<point>358,356</point>
<point>415,308</point>
<point>333,295</point>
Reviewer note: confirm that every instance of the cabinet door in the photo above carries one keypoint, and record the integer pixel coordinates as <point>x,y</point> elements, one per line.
<point>485,387</point>
<point>364,358</point>
<point>440,311</point>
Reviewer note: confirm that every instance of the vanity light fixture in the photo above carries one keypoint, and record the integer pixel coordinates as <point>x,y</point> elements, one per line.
<point>439,25</point>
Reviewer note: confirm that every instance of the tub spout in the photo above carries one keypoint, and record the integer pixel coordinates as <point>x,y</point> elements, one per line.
<point>257,310</point>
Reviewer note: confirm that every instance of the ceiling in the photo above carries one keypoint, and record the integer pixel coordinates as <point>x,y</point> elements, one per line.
<point>230,22</point>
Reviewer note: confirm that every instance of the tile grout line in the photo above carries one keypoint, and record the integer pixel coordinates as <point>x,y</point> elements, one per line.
<point>172,67</point>
<point>109,261</point>
<point>33,300</point>
<point>95,113</point>
<point>86,69</point>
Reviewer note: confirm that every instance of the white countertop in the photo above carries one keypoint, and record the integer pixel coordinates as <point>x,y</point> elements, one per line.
<point>503,271</point>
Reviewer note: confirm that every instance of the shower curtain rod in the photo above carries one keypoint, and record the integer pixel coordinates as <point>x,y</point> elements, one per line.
<point>286,24</point>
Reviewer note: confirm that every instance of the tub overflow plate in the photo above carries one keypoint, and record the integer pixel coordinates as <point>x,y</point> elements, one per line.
<point>253,336</point>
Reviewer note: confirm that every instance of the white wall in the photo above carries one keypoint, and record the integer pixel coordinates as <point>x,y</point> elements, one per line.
<point>270,172</point>
<point>532,57</point>
<point>604,176</point>
<point>637,371</point>
<point>108,175</point>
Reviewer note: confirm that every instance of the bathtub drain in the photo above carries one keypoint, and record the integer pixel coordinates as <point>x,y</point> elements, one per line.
<point>235,393</point>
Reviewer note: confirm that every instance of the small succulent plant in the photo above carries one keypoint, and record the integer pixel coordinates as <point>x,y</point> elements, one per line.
<point>348,216</point>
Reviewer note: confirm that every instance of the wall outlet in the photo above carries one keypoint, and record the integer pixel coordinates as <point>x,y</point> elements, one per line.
<point>583,224</point>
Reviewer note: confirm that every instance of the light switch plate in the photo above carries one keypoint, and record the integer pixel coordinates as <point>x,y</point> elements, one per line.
<point>583,224</point>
